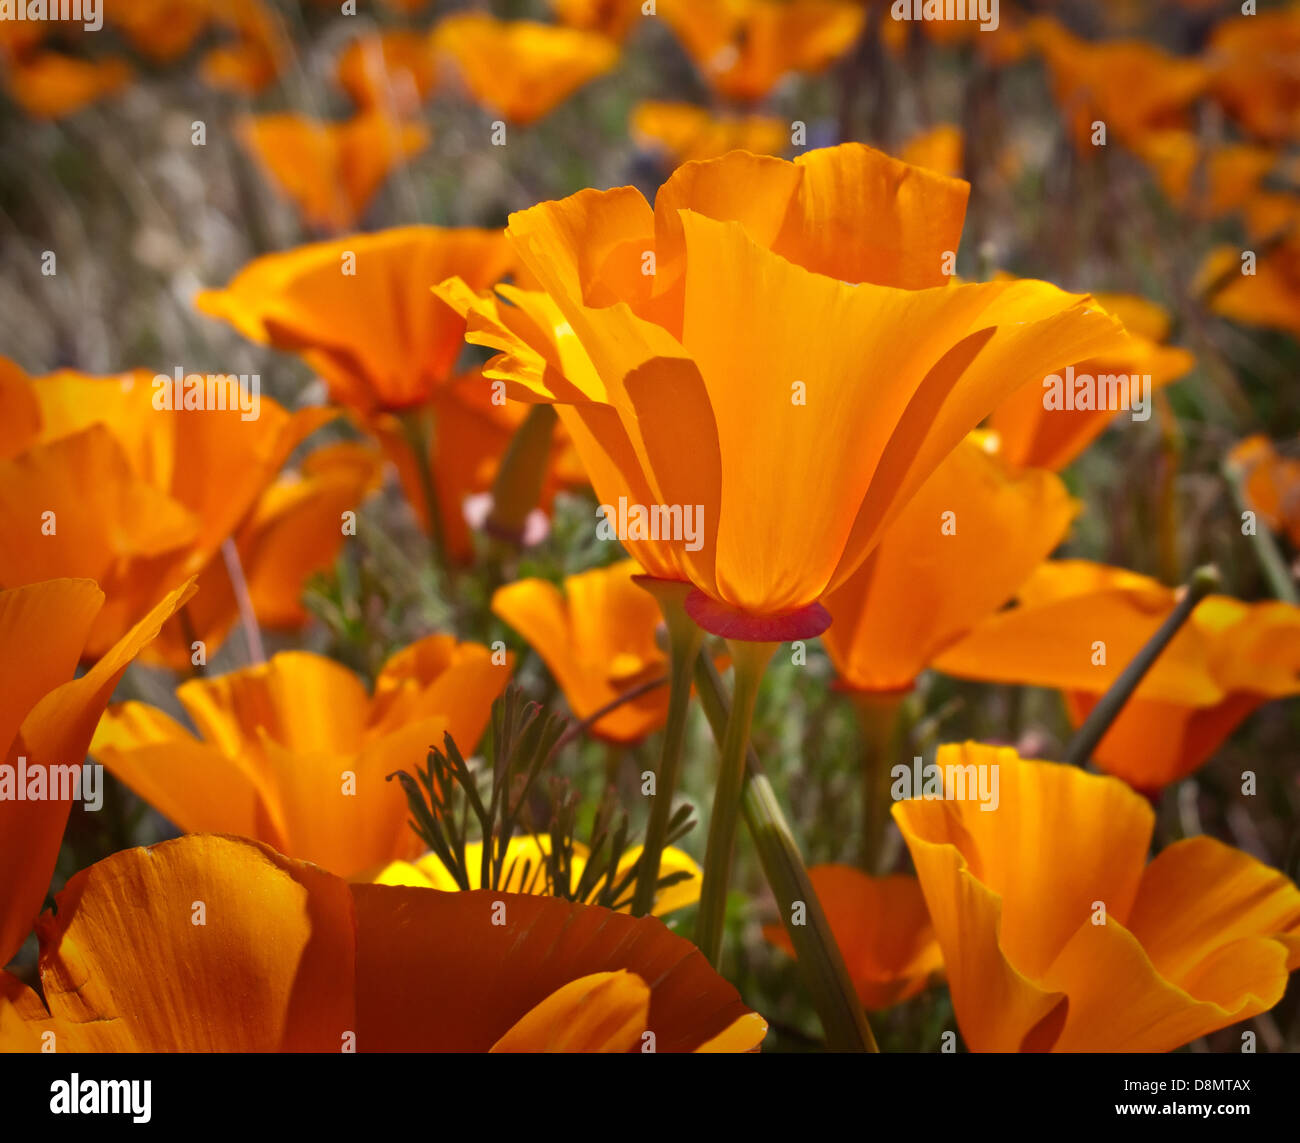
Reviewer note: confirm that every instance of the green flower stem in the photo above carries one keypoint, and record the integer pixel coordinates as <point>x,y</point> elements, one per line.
<point>1266,550</point>
<point>417,429</point>
<point>879,717</point>
<point>750,661</point>
<point>517,488</point>
<point>684,639</point>
<point>1204,581</point>
<point>824,972</point>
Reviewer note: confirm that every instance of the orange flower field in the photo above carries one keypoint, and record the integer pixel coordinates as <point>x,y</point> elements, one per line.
<point>649,526</point>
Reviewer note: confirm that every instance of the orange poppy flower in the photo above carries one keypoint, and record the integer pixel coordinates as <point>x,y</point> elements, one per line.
<point>291,958</point>
<point>358,309</point>
<point>939,149</point>
<point>46,721</point>
<point>1268,298</point>
<point>749,369</point>
<point>882,929</point>
<point>163,30</point>
<point>1132,86</point>
<point>961,547</point>
<point>294,752</point>
<point>1206,183</point>
<point>685,132</point>
<point>597,637</point>
<point>390,71</point>
<point>520,69</point>
<point>330,171</point>
<point>1079,624</point>
<point>743,48</point>
<point>1031,435</point>
<point>1253,73</point>
<point>525,860</point>
<point>50,85</point>
<point>294,531</point>
<point>131,496</point>
<point>612,18</point>
<point>1058,934</point>
<point>1271,484</point>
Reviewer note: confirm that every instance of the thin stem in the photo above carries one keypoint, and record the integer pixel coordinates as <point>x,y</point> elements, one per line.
<point>243,600</point>
<point>878,716</point>
<point>574,729</point>
<point>1204,581</point>
<point>416,429</point>
<point>750,661</point>
<point>820,961</point>
<point>684,639</point>
<point>1266,550</point>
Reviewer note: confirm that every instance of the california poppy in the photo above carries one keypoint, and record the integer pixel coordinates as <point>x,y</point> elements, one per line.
<point>390,71</point>
<point>294,752</point>
<point>50,85</point>
<point>330,171</point>
<point>972,535</point>
<point>1208,182</point>
<point>700,385</point>
<point>1078,624</point>
<point>518,68</point>
<point>1058,934</point>
<point>1131,86</point>
<point>613,18</point>
<point>133,496</point>
<point>940,149</point>
<point>1267,294</point>
<point>291,958</point>
<point>295,530</point>
<point>743,48</point>
<point>685,132</point>
<point>48,718</point>
<point>1041,429</point>
<point>1251,59</point>
<point>882,929</point>
<point>358,309</point>
<point>1271,483</point>
<point>597,636</point>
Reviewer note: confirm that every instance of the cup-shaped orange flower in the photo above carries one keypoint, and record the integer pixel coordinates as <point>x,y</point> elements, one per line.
<point>50,85</point>
<point>1079,624</point>
<point>1268,297</point>
<point>389,71</point>
<point>292,958</point>
<point>1042,425</point>
<point>685,132</point>
<point>330,171</point>
<point>117,483</point>
<point>1131,86</point>
<point>958,551</point>
<point>294,752</point>
<point>294,531</point>
<point>1271,484</point>
<point>46,721</point>
<point>613,18</point>
<point>784,375</point>
<point>882,929</point>
<point>1252,72</point>
<point>1058,934</point>
<point>163,30</point>
<point>520,69</point>
<point>358,310</point>
<point>1207,182</point>
<point>743,48</point>
<point>597,637</point>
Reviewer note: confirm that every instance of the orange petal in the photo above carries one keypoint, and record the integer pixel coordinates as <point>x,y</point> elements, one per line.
<point>602,1012</point>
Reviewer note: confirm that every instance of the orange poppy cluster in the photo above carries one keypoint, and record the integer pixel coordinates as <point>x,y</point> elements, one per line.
<point>797,422</point>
